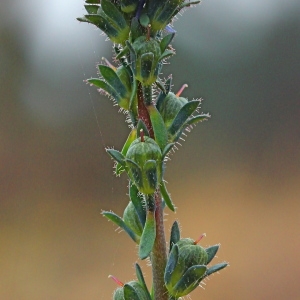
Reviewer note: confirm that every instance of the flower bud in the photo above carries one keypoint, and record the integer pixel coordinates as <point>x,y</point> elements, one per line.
<point>144,162</point>
<point>185,268</point>
<point>170,107</point>
<point>132,290</point>
<point>147,64</point>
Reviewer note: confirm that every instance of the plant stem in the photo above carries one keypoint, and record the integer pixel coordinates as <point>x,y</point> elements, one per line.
<point>159,253</point>
<point>143,112</point>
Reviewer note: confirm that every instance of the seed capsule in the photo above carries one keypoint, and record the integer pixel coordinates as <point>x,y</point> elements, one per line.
<point>144,161</point>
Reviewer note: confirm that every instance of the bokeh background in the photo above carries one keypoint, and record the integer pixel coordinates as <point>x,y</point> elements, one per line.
<point>237,178</point>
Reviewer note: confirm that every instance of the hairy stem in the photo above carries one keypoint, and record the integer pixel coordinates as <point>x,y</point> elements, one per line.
<point>159,253</point>
<point>143,112</point>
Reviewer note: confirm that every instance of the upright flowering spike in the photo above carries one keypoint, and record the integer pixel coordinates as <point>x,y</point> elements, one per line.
<point>142,32</point>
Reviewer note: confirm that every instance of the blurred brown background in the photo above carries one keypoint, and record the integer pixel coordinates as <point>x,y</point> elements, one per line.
<point>237,178</point>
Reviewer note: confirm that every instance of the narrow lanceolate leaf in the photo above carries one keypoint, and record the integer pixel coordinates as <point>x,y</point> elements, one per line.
<point>92,1</point>
<point>148,236</point>
<point>102,23</point>
<point>185,112</point>
<point>168,84</point>
<point>166,196</point>
<point>160,131</point>
<point>137,202</point>
<point>113,13</point>
<point>197,119</point>
<point>119,222</point>
<point>189,280</point>
<point>116,155</point>
<point>131,137</point>
<point>171,264</point>
<point>91,9</point>
<point>167,149</point>
<point>136,29</point>
<point>104,86</point>
<point>165,42</point>
<point>132,55</point>
<point>166,54</point>
<point>141,280</point>
<point>175,234</point>
<point>187,4</point>
<point>216,268</point>
<point>160,85</point>
<point>211,252</point>
<point>113,79</point>
<point>154,7</point>
<point>165,14</point>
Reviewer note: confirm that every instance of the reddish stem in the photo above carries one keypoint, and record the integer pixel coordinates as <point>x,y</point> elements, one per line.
<point>143,112</point>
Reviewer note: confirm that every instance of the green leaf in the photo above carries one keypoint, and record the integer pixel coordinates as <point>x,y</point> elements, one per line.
<point>215,268</point>
<point>131,137</point>
<point>189,280</point>
<point>197,119</point>
<point>113,79</point>
<point>184,113</point>
<point>114,14</point>
<point>83,19</point>
<point>166,54</point>
<point>187,4</point>
<point>132,56</point>
<point>144,20</point>
<point>141,280</point>
<point>119,222</point>
<point>160,131</point>
<point>106,87</point>
<point>160,85</point>
<point>211,252</point>
<point>136,29</point>
<point>166,196</point>
<point>165,42</point>
<point>167,149</point>
<point>149,232</point>
<point>116,155</point>
<point>137,201</point>
<point>154,7</point>
<point>91,9</point>
<point>171,264</point>
<point>175,234</point>
<point>92,1</point>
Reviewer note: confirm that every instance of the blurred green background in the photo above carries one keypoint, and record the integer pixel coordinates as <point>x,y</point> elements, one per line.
<point>237,178</point>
